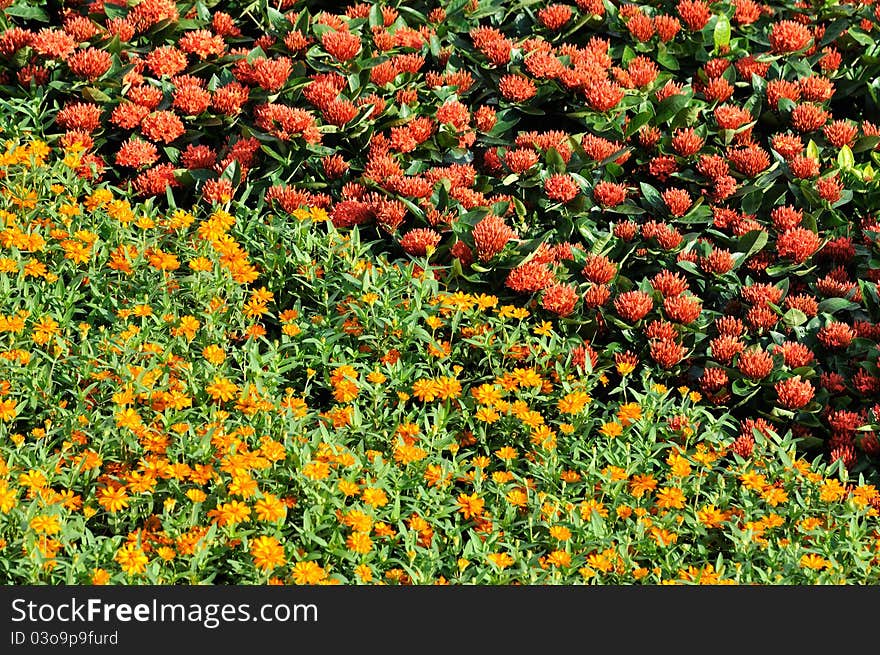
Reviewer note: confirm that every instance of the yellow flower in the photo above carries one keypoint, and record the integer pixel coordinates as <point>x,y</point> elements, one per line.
<point>611,429</point>
<point>132,559</point>
<point>560,532</point>
<point>100,577</point>
<point>501,560</point>
<point>308,573</point>
<point>270,508</point>
<point>374,496</point>
<point>815,562</point>
<point>113,499</point>
<point>470,505</point>
<point>574,402</point>
<point>629,413</point>
<point>359,542</point>
<point>45,524</point>
<point>267,553</point>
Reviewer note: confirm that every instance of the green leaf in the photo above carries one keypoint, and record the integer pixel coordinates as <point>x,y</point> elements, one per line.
<point>751,202</point>
<point>651,195</point>
<point>721,34</point>
<point>794,317</point>
<point>813,150</point>
<point>671,106</point>
<point>832,305</point>
<point>752,242</point>
<point>845,158</point>
<point>28,13</point>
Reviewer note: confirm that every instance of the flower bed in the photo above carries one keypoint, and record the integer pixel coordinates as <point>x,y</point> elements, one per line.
<point>167,418</point>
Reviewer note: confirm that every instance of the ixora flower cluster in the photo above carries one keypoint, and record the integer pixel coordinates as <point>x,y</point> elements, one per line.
<point>591,205</point>
<point>263,399</point>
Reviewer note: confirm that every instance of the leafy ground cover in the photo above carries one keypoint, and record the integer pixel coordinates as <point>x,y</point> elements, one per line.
<point>464,292</point>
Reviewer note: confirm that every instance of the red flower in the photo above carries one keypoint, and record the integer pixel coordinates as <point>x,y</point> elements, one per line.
<point>726,347</point>
<point>816,88</point>
<point>718,90</point>
<point>554,16</point>
<point>840,133</point>
<point>79,116</point>
<point>154,181</point>
<point>559,299</point>
<point>529,277</point>
<point>686,142</point>
<point>195,157</point>
<point>807,117</point>
<point>803,167</point>
<point>633,305</point>
<point>786,217</point>
<point>517,88</point>
<point>836,335</point>
<point>788,36</point>
<point>136,153</point>
<point>339,112</point>
<point>719,261</point>
<point>682,309</point>
<point>580,355</point>
<point>662,330</point>
<point>228,99</point>
<point>491,234</point>
<point>561,187</point>
<point>795,354</point>
<point>746,12</point>
<point>417,242</point>
<point>667,353</point>
<point>695,14</point>
<point>787,145</point>
<point>609,194</point>
<point>761,317</point>
<point>271,74</point>
<point>217,191</point>
<point>162,126</point>
<point>641,27</point>
<point>713,379</point>
<point>90,64</point>
<point>521,159</point>
<point>53,44</point>
<point>669,284</point>
<point>829,188</point>
<point>755,363</point>
<point>678,201</point>
<point>191,100</point>
<point>798,243</point>
<point>604,95</point>
<point>761,293</point>
<point>599,269</point>
<point>166,60</point>
<point>485,118</point>
<point>731,118</point>
<point>667,27</point>
<point>642,71</point>
<point>749,160</point>
<point>597,295</point>
<point>202,43</point>
<point>778,89</point>
<point>342,45</point>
